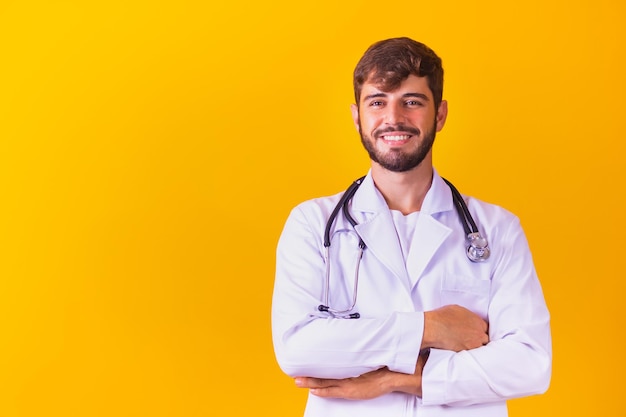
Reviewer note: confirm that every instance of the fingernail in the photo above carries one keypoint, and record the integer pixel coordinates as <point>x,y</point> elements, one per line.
<point>298,382</point>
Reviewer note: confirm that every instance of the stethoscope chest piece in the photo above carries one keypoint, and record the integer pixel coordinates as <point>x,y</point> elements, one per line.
<point>478,249</point>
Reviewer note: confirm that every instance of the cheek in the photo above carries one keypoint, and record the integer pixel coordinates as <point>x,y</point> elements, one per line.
<point>368,124</point>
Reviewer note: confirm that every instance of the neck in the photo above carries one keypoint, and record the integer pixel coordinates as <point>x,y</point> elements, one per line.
<point>404,191</point>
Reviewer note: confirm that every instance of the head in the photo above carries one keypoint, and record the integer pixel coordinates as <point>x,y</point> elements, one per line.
<point>389,62</point>
<point>398,86</point>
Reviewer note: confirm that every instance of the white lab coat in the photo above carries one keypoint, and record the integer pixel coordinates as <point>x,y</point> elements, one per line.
<point>392,296</point>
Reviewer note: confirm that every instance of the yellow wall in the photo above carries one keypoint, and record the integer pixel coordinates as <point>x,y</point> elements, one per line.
<point>151,151</point>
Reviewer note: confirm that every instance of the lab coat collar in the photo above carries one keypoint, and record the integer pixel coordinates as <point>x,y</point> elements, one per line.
<point>377,229</point>
<point>438,199</point>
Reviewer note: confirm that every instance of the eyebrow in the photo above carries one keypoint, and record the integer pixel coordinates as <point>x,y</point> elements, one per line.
<point>383,95</point>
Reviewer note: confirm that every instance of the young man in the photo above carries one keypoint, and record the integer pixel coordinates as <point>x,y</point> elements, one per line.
<point>377,310</point>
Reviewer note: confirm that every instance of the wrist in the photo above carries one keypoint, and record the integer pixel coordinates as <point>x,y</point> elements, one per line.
<point>428,337</point>
<point>411,383</point>
<point>408,383</point>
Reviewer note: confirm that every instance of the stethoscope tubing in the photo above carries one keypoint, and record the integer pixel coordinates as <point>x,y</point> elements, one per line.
<point>469,225</point>
<point>343,205</point>
<point>477,250</point>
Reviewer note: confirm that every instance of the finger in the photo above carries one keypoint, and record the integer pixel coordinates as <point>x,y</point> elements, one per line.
<point>330,392</point>
<point>306,382</point>
<point>303,382</point>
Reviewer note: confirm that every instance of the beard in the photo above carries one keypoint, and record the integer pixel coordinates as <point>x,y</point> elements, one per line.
<point>396,160</point>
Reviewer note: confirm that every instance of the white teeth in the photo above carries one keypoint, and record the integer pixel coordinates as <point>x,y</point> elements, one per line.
<point>397,137</point>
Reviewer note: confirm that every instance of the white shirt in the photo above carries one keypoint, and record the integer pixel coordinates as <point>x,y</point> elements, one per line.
<point>405,228</point>
<point>392,296</point>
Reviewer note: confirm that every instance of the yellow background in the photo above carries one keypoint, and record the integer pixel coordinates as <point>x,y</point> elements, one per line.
<point>151,151</point>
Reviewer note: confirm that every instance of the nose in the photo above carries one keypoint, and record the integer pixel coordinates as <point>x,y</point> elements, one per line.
<point>395,114</point>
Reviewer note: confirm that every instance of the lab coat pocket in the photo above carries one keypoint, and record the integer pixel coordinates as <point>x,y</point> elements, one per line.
<point>469,292</point>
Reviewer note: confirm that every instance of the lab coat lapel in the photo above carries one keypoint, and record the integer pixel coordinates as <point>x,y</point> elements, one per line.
<point>377,230</point>
<point>429,232</point>
<point>428,237</point>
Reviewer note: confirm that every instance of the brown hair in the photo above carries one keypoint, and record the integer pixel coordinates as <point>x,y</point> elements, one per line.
<point>389,62</point>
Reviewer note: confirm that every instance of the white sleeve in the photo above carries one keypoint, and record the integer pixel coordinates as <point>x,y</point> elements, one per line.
<point>310,343</point>
<point>518,359</point>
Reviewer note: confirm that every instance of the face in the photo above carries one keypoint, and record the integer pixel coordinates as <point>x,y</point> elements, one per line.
<point>398,127</point>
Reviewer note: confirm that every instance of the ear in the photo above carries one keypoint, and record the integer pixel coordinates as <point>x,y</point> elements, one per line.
<point>355,116</point>
<point>442,115</point>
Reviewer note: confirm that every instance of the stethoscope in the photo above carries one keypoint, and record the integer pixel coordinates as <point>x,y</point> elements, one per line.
<point>477,248</point>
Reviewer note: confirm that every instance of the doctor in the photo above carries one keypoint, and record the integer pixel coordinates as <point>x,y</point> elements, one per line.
<point>436,334</point>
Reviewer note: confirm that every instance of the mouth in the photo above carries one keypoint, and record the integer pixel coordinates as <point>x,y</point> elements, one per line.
<point>395,137</point>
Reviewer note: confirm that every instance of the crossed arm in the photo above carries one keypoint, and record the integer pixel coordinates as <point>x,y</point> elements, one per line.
<point>450,327</point>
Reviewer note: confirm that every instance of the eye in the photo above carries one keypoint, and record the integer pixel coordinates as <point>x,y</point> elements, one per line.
<point>376,103</point>
<point>413,103</point>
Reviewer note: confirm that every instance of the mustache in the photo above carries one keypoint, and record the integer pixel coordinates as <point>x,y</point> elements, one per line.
<point>396,128</point>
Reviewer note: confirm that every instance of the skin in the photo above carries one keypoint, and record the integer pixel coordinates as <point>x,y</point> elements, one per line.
<point>400,112</point>
<point>397,129</point>
<point>367,386</point>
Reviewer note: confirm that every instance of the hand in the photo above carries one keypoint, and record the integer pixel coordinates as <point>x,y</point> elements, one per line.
<point>367,386</point>
<point>454,328</point>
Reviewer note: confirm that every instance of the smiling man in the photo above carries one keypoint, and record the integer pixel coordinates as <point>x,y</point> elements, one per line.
<point>401,297</point>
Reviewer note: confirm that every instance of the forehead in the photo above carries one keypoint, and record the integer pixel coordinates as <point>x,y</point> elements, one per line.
<point>411,84</point>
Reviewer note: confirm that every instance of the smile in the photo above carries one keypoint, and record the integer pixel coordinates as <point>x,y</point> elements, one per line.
<point>395,138</point>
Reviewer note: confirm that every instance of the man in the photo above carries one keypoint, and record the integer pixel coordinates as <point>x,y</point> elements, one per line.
<point>410,326</point>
